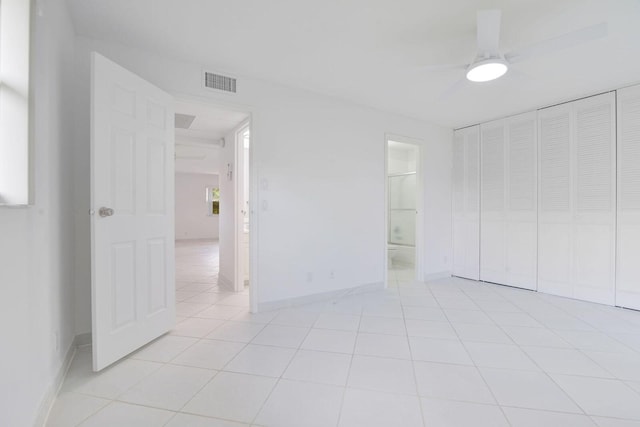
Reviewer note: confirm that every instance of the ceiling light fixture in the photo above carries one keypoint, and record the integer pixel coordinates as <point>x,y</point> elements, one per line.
<point>487,70</point>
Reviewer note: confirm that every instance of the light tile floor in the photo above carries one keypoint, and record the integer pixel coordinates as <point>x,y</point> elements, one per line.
<point>450,352</point>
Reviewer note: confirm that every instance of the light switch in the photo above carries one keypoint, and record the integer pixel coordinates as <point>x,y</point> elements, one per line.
<point>264,184</point>
<point>265,205</point>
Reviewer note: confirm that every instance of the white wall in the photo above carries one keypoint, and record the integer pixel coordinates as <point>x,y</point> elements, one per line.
<point>36,247</point>
<point>323,160</point>
<point>192,219</point>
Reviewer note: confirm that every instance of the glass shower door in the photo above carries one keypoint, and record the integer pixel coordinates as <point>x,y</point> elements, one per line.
<point>402,209</point>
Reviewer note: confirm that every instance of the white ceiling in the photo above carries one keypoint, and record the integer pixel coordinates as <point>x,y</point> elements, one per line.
<point>211,123</point>
<point>371,51</point>
<point>197,159</point>
<point>198,148</point>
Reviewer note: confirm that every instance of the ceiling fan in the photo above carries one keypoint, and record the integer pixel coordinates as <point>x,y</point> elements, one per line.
<point>490,63</point>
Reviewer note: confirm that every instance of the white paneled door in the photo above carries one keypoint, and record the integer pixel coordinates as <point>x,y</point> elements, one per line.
<point>577,184</point>
<point>628,253</point>
<point>132,188</point>
<point>466,203</point>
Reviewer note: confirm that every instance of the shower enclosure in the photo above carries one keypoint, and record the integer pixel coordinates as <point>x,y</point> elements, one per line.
<point>402,209</point>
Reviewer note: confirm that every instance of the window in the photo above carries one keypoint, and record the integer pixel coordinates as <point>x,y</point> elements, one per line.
<point>15,182</point>
<point>213,201</point>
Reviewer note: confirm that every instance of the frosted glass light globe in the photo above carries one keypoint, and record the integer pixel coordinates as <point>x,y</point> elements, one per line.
<point>487,70</point>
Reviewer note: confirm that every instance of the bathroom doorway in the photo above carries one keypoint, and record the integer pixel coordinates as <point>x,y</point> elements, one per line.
<point>403,215</point>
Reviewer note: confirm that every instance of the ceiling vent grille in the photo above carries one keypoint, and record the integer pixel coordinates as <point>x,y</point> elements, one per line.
<point>183,121</point>
<point>219,82</point>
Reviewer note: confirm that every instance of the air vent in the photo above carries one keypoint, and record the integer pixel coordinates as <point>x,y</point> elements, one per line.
<point>183,121</point>
<point>219,82</point>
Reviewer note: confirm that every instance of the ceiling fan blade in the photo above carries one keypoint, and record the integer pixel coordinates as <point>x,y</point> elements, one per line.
<point>565,41</point>
<point>445,67</point>
<point>452,90</point>
<point>488,27</point>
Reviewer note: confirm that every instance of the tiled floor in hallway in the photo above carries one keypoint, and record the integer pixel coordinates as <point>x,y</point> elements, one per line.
<point>450,352</point>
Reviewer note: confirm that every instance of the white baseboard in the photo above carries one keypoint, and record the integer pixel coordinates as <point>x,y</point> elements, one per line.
<point>225,283</point>
<point>322,296</point>
<point>83,340</point>
<point>435,276</point>
<point>54,388</point>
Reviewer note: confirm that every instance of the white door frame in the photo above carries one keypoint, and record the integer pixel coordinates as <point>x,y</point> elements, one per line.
<point>419,248</point>
<point>238,188</point>
<point>253,185</point>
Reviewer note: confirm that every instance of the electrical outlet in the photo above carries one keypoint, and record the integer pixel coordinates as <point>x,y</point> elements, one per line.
<point>309,277</point>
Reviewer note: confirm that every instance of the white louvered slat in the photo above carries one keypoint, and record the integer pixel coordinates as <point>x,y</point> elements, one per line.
<point>493,165</point>
<point>472,175</point>
<point>521,211</point>
<point>593,144</point>
<point>554,213</point>
<point>458,203</point>
<point>458,173</point>
<point>492,193</point>
<point>629,147</point>
<point>554,162</point>
<point>522,164</point>
<point>472,226</point>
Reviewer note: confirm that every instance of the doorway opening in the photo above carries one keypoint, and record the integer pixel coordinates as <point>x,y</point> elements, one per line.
<point>137,146</point>
<point>402,211</point>
<point>207,191</point>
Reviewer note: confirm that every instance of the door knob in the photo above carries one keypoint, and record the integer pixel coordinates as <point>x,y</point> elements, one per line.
<point>104,212</point>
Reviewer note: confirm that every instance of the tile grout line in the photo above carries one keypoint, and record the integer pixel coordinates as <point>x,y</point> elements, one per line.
<point>542,371</point>
<point>346,382</point>
<point>413,362</point>
<point>278,379</point>
<point>477,369</point>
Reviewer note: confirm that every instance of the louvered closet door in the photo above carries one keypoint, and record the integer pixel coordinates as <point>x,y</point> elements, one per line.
<point>472,203</point>
<point>555,219</point>
<point>521,230</point>
<point>492,202</point>
<point>595,201</point>
<point>628,254</point>
<point>466,203</point>
<point>508,220</point>
<point>577,200</point>
<point>458,204</point>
